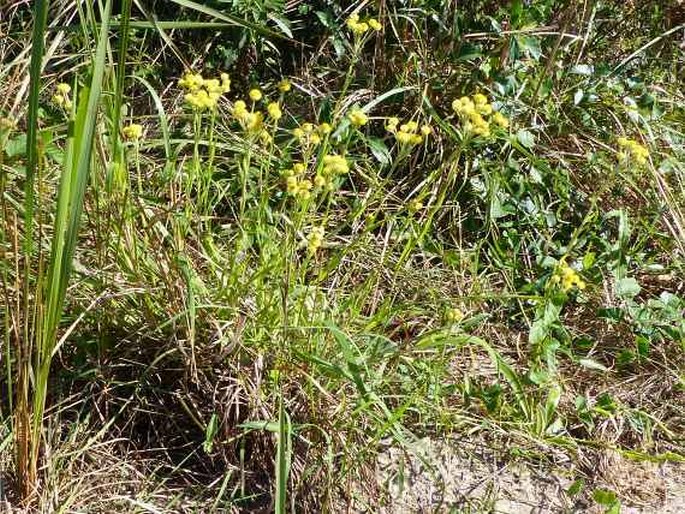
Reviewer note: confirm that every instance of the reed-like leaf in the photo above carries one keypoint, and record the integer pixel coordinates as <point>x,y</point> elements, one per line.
<point>282,458</point>
<point>69,208</point>
<point>25,469</point>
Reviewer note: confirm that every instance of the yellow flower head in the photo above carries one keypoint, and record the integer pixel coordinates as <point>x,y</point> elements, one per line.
<point>567,277</point>
<point>454,315</point>
<point>253,121</point>
<point>315,239</point>
<point>485,109</point>
<point>274,111</point>
<point>500,119</point>
<point>191,82</point>
<point>255,95</point>
<point>352,21</point>
<point>335,165</point>
<point>320,181</point>
<point>357,117</point>
<point>426,130</point>
<point>480,99</point>
<point>356,27</point>
<point>225,82</point>
<point>284,86</point>
<point>410,126</point>
<point>325,128</point>
<point>391,125</point>
<point>133,131</point>
<point>63,89</point>
<point>403,138</point>
<point>375,24</point>
<point>633,150</point>
<point>415,205</point>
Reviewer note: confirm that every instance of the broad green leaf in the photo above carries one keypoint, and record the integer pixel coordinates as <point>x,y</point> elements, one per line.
<point>627,288</point>
<point>526,138</point>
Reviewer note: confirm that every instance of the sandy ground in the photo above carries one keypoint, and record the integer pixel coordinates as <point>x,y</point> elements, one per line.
<point>457,477</point>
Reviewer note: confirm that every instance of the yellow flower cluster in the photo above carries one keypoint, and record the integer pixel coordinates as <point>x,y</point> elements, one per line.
<point>475,112</point>
<point>357,117</point>
<point>61,96</point>
<point>315,239</point>
<point>133,131</point>
<point>454,315</point>
<point>333,165</point>
<point>308,134</point>
<point>632,149</point>
<point>567,277</point>
<point>251,121</point>
<point>415,205</point>
<point>204,93</point>
<point>284,86</point>
<point>360,27</point>
<point>255,94</point>
<point>408,133</point>
<point>274,111</point>
<point>296,183</point>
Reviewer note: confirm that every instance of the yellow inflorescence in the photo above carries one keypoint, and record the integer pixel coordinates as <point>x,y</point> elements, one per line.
<point>204,93</point>
<point>415,205</point>
<point>375,24</point>
<point>478,114</point>
<point>284,86</point>
<point>315,239</point>
<point>333,165</point>
<point>454,315</point>
<point>251,121</point>
<point>61,96</point>
<point>310,134</point>
<point>255,94</point>
<point>274,111</point>
<point>357,117</point>
<point>408,133</point>
<point>133,131</point>
<point>360,27</point>
<point>567,277</point>
<point>632,149</point>
<point>296,183</point>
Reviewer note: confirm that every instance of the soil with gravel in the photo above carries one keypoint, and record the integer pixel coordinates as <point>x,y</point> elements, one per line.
<point>458,477</point>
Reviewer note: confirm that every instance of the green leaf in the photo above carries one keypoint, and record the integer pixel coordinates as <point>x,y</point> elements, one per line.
<point>210,433</point>
<point>379,150</point>
<point>526,138</point>
<point>577,486</point>
<point>627,288</point>
<point>604,497</point>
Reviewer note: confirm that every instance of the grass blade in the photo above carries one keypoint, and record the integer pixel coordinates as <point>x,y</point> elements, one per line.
<point>282,458</point>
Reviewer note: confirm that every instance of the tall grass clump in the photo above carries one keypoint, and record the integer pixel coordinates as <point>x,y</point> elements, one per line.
<point>45,278</point>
